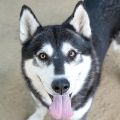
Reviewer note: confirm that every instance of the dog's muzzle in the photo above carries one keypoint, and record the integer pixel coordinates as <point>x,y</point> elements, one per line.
<point>61,104</point>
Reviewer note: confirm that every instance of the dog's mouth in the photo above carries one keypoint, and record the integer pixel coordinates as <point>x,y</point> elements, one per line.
<point>60,107</point>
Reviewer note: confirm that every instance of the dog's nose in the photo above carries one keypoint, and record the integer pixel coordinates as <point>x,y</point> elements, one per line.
<point>60,86</point>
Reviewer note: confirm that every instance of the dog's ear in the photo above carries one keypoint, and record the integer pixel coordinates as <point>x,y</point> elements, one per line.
<point>28,24</point>
<point>80,20</point>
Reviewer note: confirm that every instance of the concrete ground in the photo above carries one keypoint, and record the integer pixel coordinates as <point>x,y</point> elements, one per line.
<point>15,100</point>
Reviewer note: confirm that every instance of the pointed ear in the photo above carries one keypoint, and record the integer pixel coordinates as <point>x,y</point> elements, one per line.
<point>28,24</point>
<point>80,20</point>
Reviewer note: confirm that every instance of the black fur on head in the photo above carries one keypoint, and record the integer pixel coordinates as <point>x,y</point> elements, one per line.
<point>33,35</point>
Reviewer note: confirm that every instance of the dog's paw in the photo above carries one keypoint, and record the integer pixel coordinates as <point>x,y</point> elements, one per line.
<point>33,117</point>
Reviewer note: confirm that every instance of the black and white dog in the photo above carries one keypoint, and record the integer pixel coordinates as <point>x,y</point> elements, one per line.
<point>62,63</point>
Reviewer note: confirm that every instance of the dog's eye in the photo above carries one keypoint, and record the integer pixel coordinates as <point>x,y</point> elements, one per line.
<point>43,56</point>
<point>72,54</point>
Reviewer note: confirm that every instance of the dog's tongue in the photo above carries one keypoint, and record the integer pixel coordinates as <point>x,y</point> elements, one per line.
<point>61,107</point>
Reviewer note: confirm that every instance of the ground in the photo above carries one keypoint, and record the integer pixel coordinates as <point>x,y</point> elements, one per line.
<point>15,100</point>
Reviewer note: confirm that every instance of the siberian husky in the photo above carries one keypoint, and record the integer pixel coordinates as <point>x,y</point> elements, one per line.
<point>62,63</point>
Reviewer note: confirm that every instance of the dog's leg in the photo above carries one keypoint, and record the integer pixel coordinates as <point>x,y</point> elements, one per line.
<point>81,113</point>
<point>83,118</point>
<point>40,112</point>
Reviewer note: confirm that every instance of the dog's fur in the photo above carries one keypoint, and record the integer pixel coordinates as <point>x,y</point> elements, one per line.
<point>88,31</point>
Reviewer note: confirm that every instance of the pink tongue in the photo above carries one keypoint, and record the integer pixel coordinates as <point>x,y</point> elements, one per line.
<point>61,107</point>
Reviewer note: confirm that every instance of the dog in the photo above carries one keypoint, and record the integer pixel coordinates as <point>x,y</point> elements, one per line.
<point>62,63</point>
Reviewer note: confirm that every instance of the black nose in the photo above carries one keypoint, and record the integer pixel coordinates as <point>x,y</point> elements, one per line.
<point>60,86</point>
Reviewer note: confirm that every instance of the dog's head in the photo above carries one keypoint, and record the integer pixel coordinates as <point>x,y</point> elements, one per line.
<point>58,57</point>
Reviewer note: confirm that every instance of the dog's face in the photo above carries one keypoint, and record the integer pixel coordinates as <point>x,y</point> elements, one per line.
<point>56,58</point>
